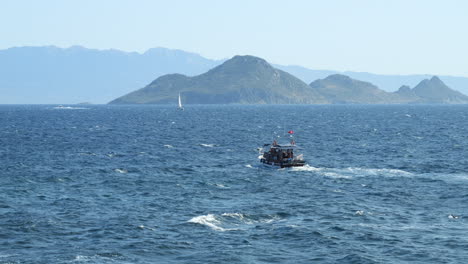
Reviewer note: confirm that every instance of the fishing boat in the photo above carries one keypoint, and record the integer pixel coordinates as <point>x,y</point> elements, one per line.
<point>282,155</point>
<point>180,104</point>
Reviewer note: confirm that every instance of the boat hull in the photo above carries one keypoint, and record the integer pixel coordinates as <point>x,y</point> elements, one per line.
<point>297,163</point>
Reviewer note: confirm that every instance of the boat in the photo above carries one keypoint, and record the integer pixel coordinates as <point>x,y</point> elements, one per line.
<point>180,104</point>
<point>282,155</point>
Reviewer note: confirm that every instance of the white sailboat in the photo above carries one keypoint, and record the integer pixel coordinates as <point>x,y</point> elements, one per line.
<point>180,104</point>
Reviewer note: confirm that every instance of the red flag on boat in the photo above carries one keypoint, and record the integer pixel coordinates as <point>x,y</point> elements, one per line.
<point>290,132</point>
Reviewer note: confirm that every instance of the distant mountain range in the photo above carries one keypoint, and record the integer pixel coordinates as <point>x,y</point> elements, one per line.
<point>76,74</point>
<point>389,83</point>
<point>252,80</point>
<point>51,75</point>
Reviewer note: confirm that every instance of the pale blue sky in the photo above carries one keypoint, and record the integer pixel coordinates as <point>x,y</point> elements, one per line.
<point>390,37</point>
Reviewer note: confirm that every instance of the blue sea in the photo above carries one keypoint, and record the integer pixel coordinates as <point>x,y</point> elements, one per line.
<point>151,184</point>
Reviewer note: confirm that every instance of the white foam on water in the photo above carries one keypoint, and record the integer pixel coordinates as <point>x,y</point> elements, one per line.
<point>81,258</point>
<point>370,171</point>
<point>207,145</point>
<point>350,172</point>
<point>69,108</point>
<point>219,185</point>
<point>236,215</point>
<point>328,172</point>
<point>143,227</point>
<point>455,177</point>
<point>446,177</point>
<point>267,221</point>
<point>208,220</point>
<point>336,175</point>
<point>231,221</point>
<point>245,219</point>
<point>359,212</point>
<point>248,166</point>
<point>168,146</point>
<point>98,259</point>
<point>306,168</point>
<point>121,171</point>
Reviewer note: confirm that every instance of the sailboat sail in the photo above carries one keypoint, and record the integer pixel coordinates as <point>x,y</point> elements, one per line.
<point>180,103</point>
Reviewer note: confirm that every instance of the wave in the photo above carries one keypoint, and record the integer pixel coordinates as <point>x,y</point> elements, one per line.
<point>99,258</point>
<point>232,221</point>
<point>121,171</point>
<point>168,146</point>
<point>207,145</point>
<point>69,107</point>
<point>142,227</point>
<point>218,185</point>
<point>87,153</point>
<point>113,154</point>
<point>208,220</point>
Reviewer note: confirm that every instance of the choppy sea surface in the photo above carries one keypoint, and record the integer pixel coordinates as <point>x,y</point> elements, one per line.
<point>150,184</point>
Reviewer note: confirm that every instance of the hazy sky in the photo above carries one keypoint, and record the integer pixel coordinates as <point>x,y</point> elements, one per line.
<point>391,37</point>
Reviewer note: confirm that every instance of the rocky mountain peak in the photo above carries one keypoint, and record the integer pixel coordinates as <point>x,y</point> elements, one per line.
<point>404,89</point>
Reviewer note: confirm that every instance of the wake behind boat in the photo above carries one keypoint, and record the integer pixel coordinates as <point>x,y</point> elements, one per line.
<point>283,155</point>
